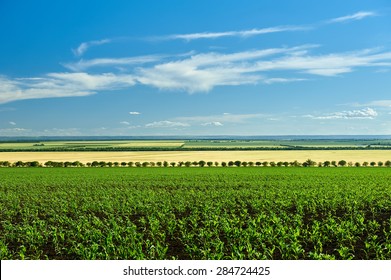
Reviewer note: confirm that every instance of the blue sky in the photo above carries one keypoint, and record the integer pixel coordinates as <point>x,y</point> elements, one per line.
<point>72,68</point>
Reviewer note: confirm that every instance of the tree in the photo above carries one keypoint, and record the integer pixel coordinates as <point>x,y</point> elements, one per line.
<point>309,163</point>
<point>130,163</point>
<point>209,163</point>
<point>223,164</point>
<point>187,163</point>
<point>244,163</point>
<point>201,163</point>
<point>258,163</point>
<point>173,164</point>
<point>165,163</point>
<point>326,163</point>
<point>33,164</point>
<point>357,164</point>
<point>231,163</point>
<point>373,163</point>
<point>137,164</point>
<point>342,163</point>
<point>334,163</point>
<point>6,163</point>
<point>123,164</point>
<point>380,163</point>
<point>238,163</point>
<point>265,163</point>
<point>216,163</point>
<point>295,163</point>
<point>387,163</point>
<point>365,163</point>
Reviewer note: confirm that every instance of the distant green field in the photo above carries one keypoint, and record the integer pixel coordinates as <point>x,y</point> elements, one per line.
<point>90,145</point>
<point>175,145</point>
<point>195,213</point>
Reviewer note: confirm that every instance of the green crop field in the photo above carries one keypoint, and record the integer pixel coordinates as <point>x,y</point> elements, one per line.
<point>195,213</point>
<point>186,145</point>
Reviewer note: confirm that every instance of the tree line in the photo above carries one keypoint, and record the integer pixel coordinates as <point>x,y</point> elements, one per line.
<point>201,163</point>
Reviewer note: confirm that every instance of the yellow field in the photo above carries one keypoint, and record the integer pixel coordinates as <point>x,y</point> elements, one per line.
<point>318,156</point>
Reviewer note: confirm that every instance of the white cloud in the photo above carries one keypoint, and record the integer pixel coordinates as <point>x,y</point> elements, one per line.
<point>375,103</point>
<point>243,33</point>
<point>125,123</point>
<point>199,72</point>
<point>83,47</point>
<point>166,124</point>
<point>212,124</point>
<point>367,113</point>
<point>12,123</point>
<point>220,119</point>
<point>60,85</point>
<point>356,16</point>
<point>203,72</point>
<point>82,64</point>
<point>134,113</point>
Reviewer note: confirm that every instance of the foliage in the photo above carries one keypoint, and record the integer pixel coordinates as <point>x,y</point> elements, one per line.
<point>195,213</point>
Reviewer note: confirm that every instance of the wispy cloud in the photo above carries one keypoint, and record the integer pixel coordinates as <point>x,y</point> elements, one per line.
<point>60,85</point>
<point>375,103</point>
<point>367,113</point>
<point>356,16</point>
<point>242,33</point>
<point>125,123</point>
<point>218,120</point>
<point>212,124</point>
<point>82,64</point>
<point>199,72</point>
<point>261,31</point>
<point>12,123</point>
<point>166,124</point>
<point>203,72</point>
<point>83,47</point>
<point>134,113</point>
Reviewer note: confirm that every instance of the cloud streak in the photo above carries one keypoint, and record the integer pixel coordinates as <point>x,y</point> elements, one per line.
<point>83,47</point>
<point>242,34</point>
<point>199,72</point>
<point>357,16</point>
<point>166,124</point>
<point>83,65</point>
<point>367,113</point>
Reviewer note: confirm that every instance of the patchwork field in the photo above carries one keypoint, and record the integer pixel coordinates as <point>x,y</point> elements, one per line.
<point>174,145</point>
<point>154,156</point>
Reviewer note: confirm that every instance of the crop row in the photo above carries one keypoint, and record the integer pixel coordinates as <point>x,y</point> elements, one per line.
<point>195,213</point>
